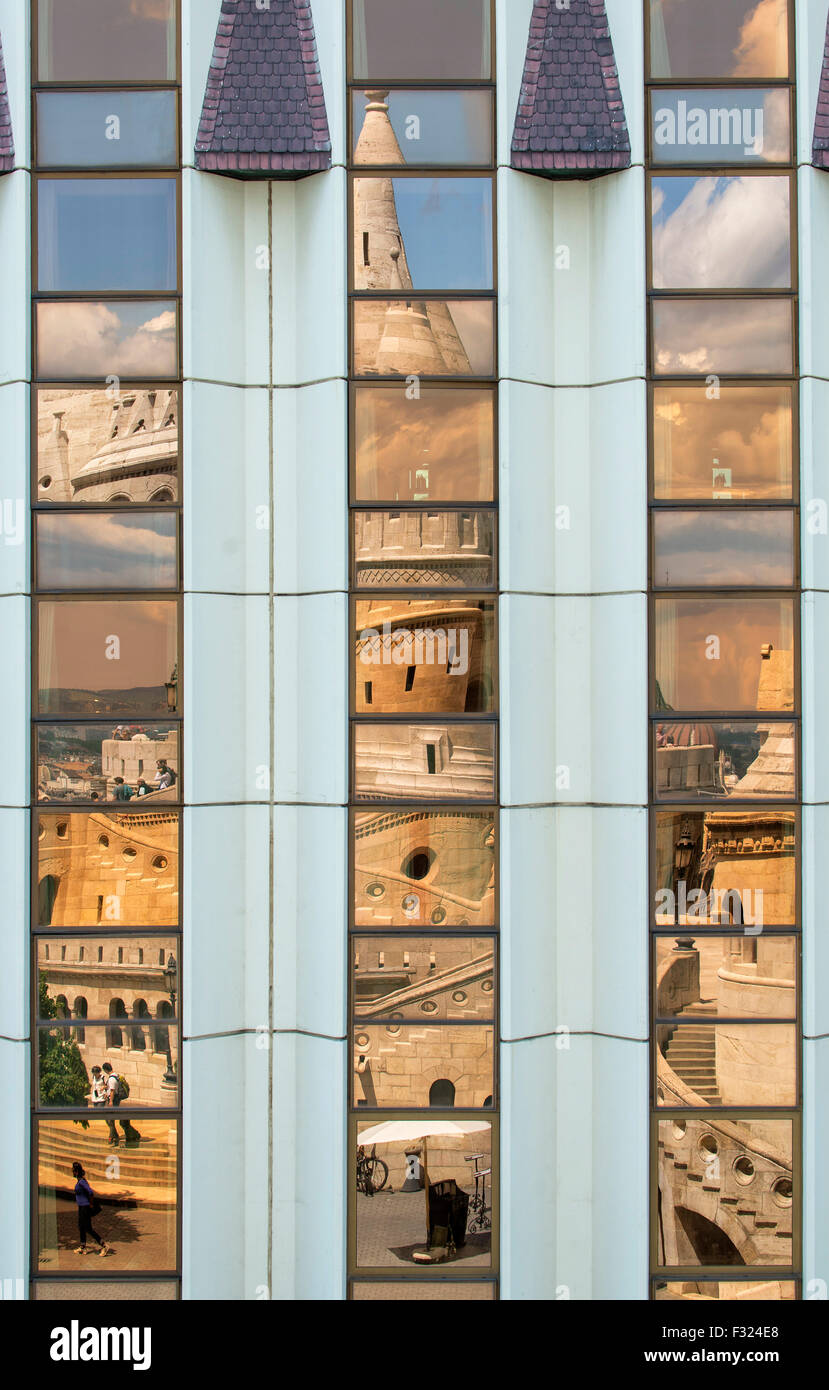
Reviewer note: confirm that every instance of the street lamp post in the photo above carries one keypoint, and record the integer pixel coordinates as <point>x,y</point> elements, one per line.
<point>170,982</point>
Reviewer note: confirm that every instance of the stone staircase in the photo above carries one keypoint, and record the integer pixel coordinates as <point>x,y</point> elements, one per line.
<point>145,1173</point>
<point>691,1053</point>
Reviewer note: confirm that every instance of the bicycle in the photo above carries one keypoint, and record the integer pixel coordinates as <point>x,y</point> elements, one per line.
<point>372,1172</point>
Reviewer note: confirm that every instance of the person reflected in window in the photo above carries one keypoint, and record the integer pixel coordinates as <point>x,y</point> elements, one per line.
<point>122,791</point>
<point>85,1198</point>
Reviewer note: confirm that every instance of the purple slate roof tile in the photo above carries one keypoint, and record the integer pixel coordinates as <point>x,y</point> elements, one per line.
<point>6,140</point>
<point>820,145</point>
<point>264,107</point>
<point>571,117</point>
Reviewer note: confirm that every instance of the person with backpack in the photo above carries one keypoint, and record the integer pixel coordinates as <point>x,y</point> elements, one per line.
<point>88,1206</point>
<point>117,1088</point>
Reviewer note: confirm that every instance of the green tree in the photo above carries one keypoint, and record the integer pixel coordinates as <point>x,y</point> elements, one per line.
<point>63,1075</point>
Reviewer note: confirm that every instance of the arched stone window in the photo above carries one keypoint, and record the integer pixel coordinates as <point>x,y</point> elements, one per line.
<point>442,1092</point>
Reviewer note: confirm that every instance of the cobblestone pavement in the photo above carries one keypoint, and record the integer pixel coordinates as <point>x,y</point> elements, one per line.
<point>392,1225</point>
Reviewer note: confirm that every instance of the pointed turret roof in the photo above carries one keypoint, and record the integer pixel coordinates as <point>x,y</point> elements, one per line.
<point>820,146</point>
<point>571,117</point>
<point>264,107</point>
<point>377,144</point>
<point>6,140</point>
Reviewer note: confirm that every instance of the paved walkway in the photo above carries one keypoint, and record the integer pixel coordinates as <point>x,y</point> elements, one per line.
<point>139,1239</point>
<point>392,1225</point>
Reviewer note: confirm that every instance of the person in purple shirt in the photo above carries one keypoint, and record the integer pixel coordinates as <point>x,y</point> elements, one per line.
<point>84,1196</point>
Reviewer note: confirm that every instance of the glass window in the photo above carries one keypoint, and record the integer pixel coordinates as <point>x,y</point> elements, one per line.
<point>423,762</point>
<point>416,549</point>
<point>128,549</point>
<point>729,1290</point>
<point>138,1194</point>
<point>700,1063</point>
<point>723,443</point>
<point>107,870</point>
<point>107,234</point>
<point>711,761</point>
<point>422,868</point>
<point>724,654</point>
<point>107,657</point>
<point>698,548</point>
<point>427,234</point>
<point>729,232</point>
<point>117,41</point>
<point>392,1159</point>
<point>424,337</point>
<point>426,656</point>
<point>142,1052</point>
<point>725,868</point>
<point>719,38</point>
<point>746,1162</point>
<point>101,130</point>
<point>90,762</point>
<point>394,976</point>
<point>449,42</point>
<point>89,972</point>
<point>106,1291</point>
<point>435,444</point>
<point>728,337</point>
<point>107,446</point>
<point>422,127</point>
<point>734,976</point>
<point>445,1066</point>
<point>104,338</point>
<point>716,125</point>
<point>388,1290</point>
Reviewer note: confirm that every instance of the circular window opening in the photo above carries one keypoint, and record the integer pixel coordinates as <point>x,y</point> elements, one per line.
<point>438,916</point>
<point>782,1192</point>
<point>129,853</point>
<point>428,1007</point>
<point>679,1128</point>
<point>362,1040</point>
<point>411,904</point>
<point>418,864</point>
<point>744,1170</point>
<point>375,890</point>
<point>486,986</point>
<point>159,862</point>
<point>45,483</point>
<point>460,997</point>
<point>393,1029</point>
<point>62,830</point>
<point>103,841</point>
<point>708,1147</point>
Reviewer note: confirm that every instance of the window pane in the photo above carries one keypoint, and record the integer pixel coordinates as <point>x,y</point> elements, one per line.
<point>107,234</point>
<point>445,1066</point>
<point>711,761</point>
<point>735,547</point>
<point>726,337</point>
<point>144,1053</point>
<point>395,976</point>
<point>435,446</point>
<point>771,1290</point>
<point>692,1148</point>
<point>107,446</point>
<point>121,130</point>
<point>716,125</point>
<point>94,762</point>
<point>138,1195</point>
<point>724,654</point>
<point>735,976</point>
<point>105,1291</point>
<point>101,338</point>
<point>452,550</point>
<point>88,973</point>
<point>362,1290</point>
<point>424,868</point>
<point>729,445</point>
<point>112,657</point>
<point>429,656</point>
<point>392,1223</point>
<point>107,550</point>
<point>107,871</point>
<point>118,41</point>
<point>443,41</point>
<point>424,762</point>
<point>428,234</point>
<point>422,127</point>
<point>731,232</point>
<point>719,38</point>
<point>424,337</point>
<point>728,868</point>
<point>716,1064</point>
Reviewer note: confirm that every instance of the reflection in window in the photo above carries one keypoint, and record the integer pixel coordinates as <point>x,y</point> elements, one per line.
<point>106,550</point>
<point>107,234</point>
<point>108,885</point>
<point>719,38</point>
<point>66,1061</point>
<point>79,130</point>
<point>104,1291</point>
<point>424,656</point>
<point>461,1054</point>
<point>119,41</point>
<point>423,762</point>
<point>725,868</point>
<point>90,762</point>
<point>424,337</point>
<point>449,42</point>
<point>697,1148</point>
<point>711,1064</point>
<point>453,550</point>
<point>466,1292</point>
<point>101,338</point>
<point>428,234</point>
<point>425,126</point>
<point>98,657</point>
<point>745,548</point>
<point>711,761</point>
<point>138,1194</point>
<point>89,962</point>
<point>724,654</point>
<point>731,337</point>
<point>392,976</point>
<point>734,444</point>
<point>107,446</point>
<point>730,232</point>
<point>731,976</point>
<point>716,125</point>
<point>437,445</point>
<point>457,849</point>
<point>729,1290</point>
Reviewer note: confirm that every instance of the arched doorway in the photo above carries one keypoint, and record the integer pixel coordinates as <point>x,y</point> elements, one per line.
<point>80,1010</point>
<point>47,892</point>
<point>138,1041</point>
<point>115,1037</point>
<point>442,1092</point>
